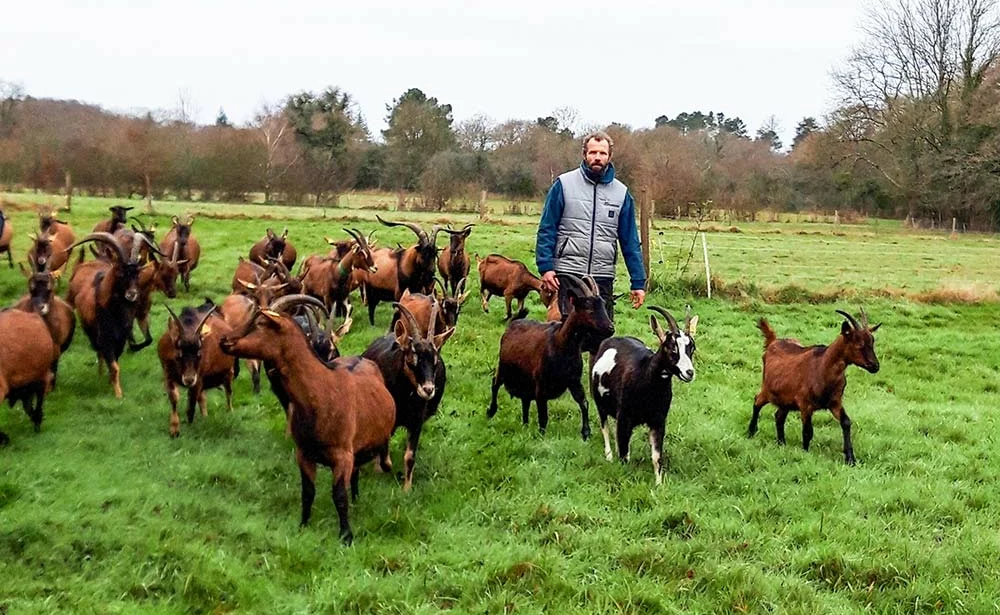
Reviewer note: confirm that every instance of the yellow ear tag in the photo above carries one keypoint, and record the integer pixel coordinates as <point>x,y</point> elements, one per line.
<point>271,314</point>
<point>206,331</point>
<point>694,324</point>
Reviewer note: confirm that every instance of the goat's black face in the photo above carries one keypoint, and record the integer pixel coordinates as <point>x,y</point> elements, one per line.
<point>421,358</point>
<point>40,289</point>
<point>275,247</point>
<point>189,349</point>
<point>592,318</point>
<point>45,222</point>
<point>130,281</point>
<point>679,351</point>
<point>450,309</point>
<point>43,251</point>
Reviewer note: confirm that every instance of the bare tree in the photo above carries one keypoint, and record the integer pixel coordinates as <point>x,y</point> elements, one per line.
<point>10,95</point>
<point>275,131</point>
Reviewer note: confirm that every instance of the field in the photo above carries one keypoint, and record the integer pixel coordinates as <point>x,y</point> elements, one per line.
<point>101,512</point>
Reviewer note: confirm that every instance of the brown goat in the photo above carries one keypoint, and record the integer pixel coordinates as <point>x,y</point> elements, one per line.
<point>539,361</point>
<point>273,246</point>
<point>453,262</point>
<point>328,279</point>
<point>191,357</point>
<point>341,415</point>
<point>499,275</point>
<point>119,215</point>
<point>420,306</point>
<point>183,248</point>
<point>50,244</point>
<point>26,359</point>
<point>410,268</point>
<point>104,295</point>
<point>57,314</point>
<point>6,237</point>
<point>158,275</point>
<point>811,378</point>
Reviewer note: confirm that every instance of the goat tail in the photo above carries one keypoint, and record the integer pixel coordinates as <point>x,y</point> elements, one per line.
<point>768,332</point>
<point>521,313</point>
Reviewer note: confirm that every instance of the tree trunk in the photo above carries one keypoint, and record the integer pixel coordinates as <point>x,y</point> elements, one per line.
<point>69,192</point>
<point>482,204</point>
<point>149,194</point>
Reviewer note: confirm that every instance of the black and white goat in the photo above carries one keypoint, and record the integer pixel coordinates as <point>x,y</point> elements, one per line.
<point>633,383</point>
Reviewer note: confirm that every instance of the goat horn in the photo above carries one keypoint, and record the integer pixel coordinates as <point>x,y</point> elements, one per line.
<point>283,303</point>
<point>414,328</point>
<point>204,319</point>
<point>864,318</point>
<point>356,235</point>
<point>592,285</point>
<point>849,318</point>
<point>670,319</point>
<point>435,308</point>
<point>172,315</point>
<point>434,233</point>
<point>444,291</point>
<point>152,246</point>
<point>175,221</point>
<point>103,237</point>
<point>578,285</point>
<point>284,233</point>
<point>311,319</point>
<point>136,219</point>
<point>177,252</point>
<point>450,230</point>
<point>421,235</point>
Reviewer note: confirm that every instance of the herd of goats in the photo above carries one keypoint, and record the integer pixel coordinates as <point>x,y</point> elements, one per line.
<point>342,411</point>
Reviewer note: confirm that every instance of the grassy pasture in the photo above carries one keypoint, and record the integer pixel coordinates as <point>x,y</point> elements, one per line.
<point>102,512</point>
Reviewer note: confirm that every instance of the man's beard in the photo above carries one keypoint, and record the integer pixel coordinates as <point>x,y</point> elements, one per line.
<point>597,167</point>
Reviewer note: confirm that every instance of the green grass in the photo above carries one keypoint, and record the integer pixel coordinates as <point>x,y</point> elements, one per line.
<point>102,512</point>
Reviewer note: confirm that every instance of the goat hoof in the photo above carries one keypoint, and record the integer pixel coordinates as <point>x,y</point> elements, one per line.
<point>347,537</point>
<point>585,434</point>
<point>490,412</point>
<point>851,461</point>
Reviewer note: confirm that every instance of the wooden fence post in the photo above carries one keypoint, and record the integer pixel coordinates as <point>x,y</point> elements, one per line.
<point>69,192</point>
<point>644,227</point>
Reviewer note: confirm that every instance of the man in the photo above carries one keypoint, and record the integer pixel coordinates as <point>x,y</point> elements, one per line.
<point>587,212</point>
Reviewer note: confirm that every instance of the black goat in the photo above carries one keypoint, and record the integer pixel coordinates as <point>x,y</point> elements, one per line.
<point>633,384</point>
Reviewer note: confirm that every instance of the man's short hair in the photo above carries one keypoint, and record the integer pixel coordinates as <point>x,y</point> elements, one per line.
<point>598,135</point>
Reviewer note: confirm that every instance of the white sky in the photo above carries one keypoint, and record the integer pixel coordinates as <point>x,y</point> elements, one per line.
<point>615,60</point>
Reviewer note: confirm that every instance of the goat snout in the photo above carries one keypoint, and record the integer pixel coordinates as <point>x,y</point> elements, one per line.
<point>686,375</point>
<point>872,367</point>
<point>426,391</point>
<point>131,295</point>
<point>189,380</point>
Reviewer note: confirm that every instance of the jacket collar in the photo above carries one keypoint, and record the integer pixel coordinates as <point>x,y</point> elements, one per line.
<point>606,178</point>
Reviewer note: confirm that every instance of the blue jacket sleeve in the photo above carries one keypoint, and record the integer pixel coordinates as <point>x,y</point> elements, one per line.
<point>548,228</point>
<point>628,237</point>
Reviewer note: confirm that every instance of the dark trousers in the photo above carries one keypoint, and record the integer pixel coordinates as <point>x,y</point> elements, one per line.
<point>604,285</point>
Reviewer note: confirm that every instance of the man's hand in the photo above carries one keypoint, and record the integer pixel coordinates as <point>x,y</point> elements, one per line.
<point>550,281</point>
<point>638,297</point>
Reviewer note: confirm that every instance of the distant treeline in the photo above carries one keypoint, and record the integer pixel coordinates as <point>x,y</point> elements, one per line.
<point>910,140</point>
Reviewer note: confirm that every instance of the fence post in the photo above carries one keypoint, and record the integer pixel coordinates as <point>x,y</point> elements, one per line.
<point>69,192</point>
<point>644,215</point>
<point>482,204</point>
<point>708,273</point>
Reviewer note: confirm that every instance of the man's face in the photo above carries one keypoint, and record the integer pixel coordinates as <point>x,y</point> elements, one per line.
<point>597,156</point>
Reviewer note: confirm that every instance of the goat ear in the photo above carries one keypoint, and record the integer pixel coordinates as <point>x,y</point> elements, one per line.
<point>845,329</point>
<point>272,316</point>
<point>402,336</point>
<point>406,293</point>
<point>875,328</point>
<point>441,338</point>
<point>692,327</point>
<point>657,329</point>
<point>270,234</point>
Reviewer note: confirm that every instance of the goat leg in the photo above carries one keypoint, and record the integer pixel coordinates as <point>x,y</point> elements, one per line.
<point>543,414</point>
<point>115,373</point>
<point>354,484</point>
<point>202,401</point>
<point>410,457</point>
<point>623,433</point>
<point>254,366</point>
<point>37,413</point>
<point>343,465</point>
<point>807,428</point>
<point>845,426</point>
<point>192,399</point>
<point>604,432</point>
<point>758,403</point>
<point>227,386</point>
<point>525,407</point>
<point>484,299</point>
<point>497,383</point>
<point>656,450</point>
<point>779,424</point>
<point>307,471</point>
<point>147,339</point>
<point>576,390</point>
<point>507,299</point>
<point>175,422</point>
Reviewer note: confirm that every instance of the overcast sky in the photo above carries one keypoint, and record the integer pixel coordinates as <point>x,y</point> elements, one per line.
<point>624,61</point>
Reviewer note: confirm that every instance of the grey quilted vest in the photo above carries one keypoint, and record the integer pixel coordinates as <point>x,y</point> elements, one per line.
<point>587,240</point>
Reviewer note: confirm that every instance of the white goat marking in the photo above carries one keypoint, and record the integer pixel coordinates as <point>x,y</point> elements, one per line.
<point>607,441</point>
<point>684,364</point>
<point>604,364</point>
<point>657,466</point>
